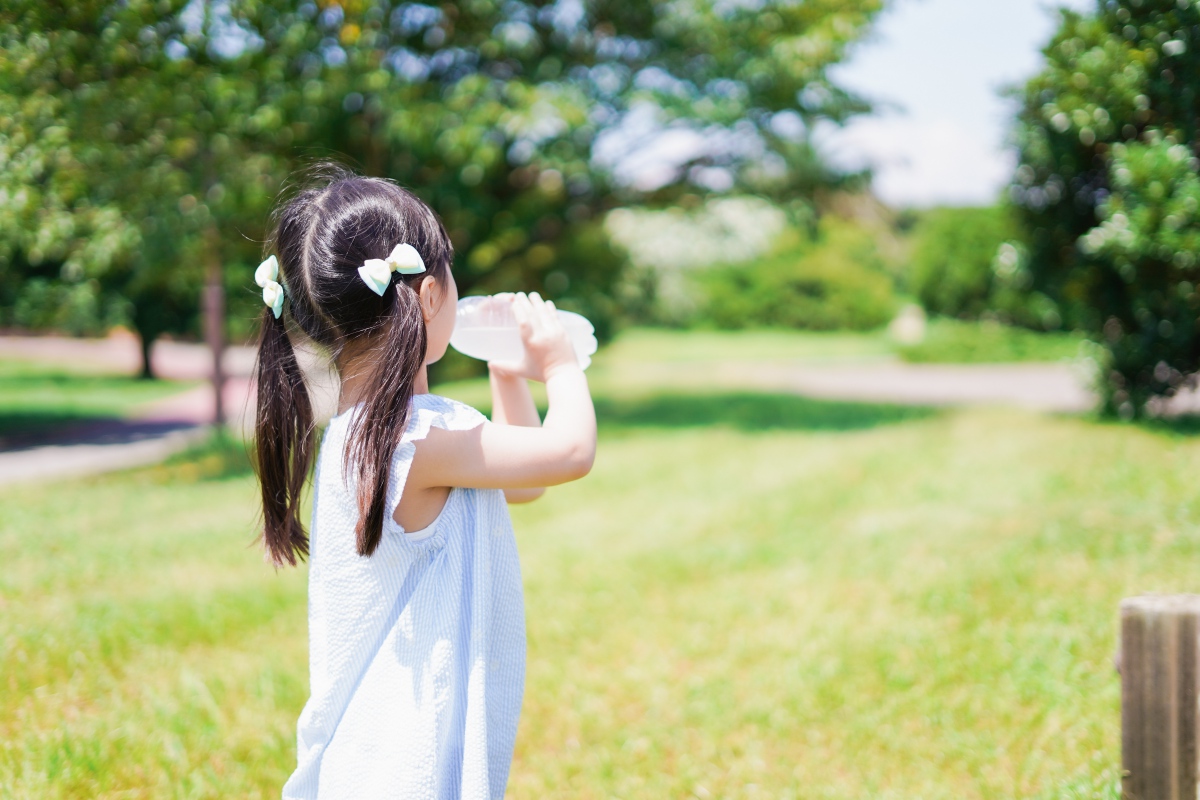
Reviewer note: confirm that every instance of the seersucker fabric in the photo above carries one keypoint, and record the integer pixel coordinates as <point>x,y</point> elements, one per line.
<point>416,653</point>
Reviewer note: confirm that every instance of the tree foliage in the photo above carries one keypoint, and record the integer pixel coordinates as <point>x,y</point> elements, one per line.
<point>130,170</point>
<point>144,139</point>
<point>1107,186</point>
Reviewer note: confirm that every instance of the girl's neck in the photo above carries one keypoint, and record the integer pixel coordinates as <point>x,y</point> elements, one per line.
<point>355,372</point>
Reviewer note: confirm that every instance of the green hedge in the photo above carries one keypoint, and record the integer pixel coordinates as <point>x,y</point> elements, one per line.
<point>967,263</point>
<point>837,282</point>
<point>953,251</point>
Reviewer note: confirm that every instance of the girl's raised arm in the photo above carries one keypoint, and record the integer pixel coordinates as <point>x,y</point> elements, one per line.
<point>512,404</point>
<point>497,456</point>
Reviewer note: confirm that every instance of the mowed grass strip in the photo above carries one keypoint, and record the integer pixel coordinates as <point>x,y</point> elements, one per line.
<point>848,602</point>
<point>951,341</point>
<point>36,397</point>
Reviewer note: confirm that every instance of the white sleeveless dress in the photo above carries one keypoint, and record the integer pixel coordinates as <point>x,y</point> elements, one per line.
<point>416,653</point>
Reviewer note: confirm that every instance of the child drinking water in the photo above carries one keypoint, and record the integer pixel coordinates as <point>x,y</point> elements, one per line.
<point>416,622</point>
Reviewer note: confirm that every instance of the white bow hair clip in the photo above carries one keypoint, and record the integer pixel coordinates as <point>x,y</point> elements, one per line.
<point>265,276</point>
<point>377,272</point>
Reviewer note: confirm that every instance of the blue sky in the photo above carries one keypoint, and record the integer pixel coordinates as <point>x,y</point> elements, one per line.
<point>935,67</point>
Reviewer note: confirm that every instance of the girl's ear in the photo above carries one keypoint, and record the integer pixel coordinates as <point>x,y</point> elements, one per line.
<point>431,295</point>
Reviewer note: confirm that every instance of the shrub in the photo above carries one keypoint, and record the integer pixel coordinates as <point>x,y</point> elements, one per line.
<point>836,282</point>
<point>1109,187</point>
<point>953,251</point>
<point>966,265</point>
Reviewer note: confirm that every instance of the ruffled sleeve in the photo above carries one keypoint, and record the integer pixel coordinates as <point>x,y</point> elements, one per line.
<point>428,411</point>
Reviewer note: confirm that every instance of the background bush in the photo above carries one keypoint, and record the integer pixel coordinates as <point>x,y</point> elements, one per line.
<point>965,264</point>
<point>838,281</point>
<point>953,251</point>
<point>1108,187</point>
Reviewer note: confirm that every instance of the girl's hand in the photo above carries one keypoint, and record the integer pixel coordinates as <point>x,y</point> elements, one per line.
<point>520,455</point>
<point>548,348</point>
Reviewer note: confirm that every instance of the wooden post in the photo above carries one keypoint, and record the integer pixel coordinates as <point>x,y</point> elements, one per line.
<point>1160,650</point>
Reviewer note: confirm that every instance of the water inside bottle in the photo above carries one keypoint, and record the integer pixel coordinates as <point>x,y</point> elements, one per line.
<point>490,344</point>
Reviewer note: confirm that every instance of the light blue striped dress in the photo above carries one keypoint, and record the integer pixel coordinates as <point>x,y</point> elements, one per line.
<point>416,653</point>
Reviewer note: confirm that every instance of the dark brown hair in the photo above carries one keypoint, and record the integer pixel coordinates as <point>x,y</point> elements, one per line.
<point>322,235</point>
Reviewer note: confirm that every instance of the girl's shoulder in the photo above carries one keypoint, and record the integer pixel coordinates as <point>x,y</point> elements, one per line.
<point>436,411</point>
<point>426,411</point>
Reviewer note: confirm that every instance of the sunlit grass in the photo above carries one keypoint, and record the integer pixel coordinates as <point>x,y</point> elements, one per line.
<point>653,358</point>
<point>665,346</point>
<point>749,597</point>
<point>147,650</point>
<point>952,341</point>
<point>945,340</point>
<point>909,611</point>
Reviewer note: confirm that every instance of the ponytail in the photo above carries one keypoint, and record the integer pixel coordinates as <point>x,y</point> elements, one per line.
<point>283,441</point>
<point>378,428</point>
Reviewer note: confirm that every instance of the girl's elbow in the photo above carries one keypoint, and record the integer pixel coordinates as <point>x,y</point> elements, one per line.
<point>580,461</point>
<point>517,496</point>
<point>571,459</point>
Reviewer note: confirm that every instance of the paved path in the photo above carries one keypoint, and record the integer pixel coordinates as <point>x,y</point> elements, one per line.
<point>120,353</point>
<point>90,450</point>
<point>1039,387</point>
<point>156,430</point>
<point>1043,387</point>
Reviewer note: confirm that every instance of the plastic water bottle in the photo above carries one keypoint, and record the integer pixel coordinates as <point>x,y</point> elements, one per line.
<point>486,328</point>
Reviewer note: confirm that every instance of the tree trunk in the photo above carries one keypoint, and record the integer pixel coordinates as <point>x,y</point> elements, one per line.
<point>147,343</point>
<point>214,323</point>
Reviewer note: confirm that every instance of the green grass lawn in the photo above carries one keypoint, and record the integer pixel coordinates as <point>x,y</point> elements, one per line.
<point>946,341</point>
<point>691,359</point>
<point>952,341</point>
<point>751,596</point>
<point>35,397</point>
<point>665,346</point>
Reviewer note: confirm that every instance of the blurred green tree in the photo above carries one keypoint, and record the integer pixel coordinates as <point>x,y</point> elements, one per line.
<point>1107,190</point>
<point>128,167</point>
<point>968,263</point>
<point>164,128</point>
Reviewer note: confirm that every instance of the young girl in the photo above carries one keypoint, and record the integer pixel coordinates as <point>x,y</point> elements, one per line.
<point>416,622</point>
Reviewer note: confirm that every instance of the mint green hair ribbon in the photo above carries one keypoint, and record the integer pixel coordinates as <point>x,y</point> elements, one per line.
<point>376,273</point>
<point>266,276</point>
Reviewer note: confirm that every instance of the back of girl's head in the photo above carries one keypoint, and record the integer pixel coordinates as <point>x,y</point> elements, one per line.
<point>323,234</point>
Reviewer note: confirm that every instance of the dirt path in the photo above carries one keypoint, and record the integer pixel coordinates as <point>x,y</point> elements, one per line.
<point>154,432</point>
<point>1041,387</point>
